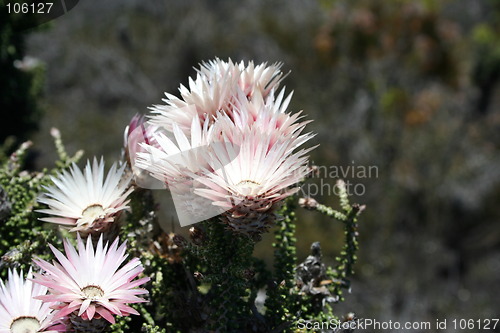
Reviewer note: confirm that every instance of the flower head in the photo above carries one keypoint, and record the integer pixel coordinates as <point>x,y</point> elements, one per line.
<point>20,312</point>
<point>136,133</point>
<point>251,185</point>
<point>173,157</point>
<point>92,283</point>
<point>85,201</point>
<point>262,78</point>
<point>215,89</point>
<point>268,114</point>
<point>250,158</point>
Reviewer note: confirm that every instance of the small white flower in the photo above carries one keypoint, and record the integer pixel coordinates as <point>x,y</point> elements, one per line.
<point>85,201</point>
<point>20,312</point>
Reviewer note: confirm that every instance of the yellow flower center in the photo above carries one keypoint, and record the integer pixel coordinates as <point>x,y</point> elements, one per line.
<point>93,212</point>
<point>248,187</point>
<point>93,292</point>
<point>248,182</point>
<point>25,325</point>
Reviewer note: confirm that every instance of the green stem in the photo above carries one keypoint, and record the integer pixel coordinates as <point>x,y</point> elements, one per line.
<point>348,217</point>
<point>228,259</point>
<point>279,303</point>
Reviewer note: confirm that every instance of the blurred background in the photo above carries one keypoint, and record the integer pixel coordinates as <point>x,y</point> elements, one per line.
<point>408,88</point>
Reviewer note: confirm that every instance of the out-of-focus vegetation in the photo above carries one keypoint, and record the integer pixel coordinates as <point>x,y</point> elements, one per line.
<point>21,81</point>
<point>409,87</point>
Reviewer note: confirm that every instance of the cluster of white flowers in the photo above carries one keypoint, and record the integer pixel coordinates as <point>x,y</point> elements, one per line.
<point>228,146</point>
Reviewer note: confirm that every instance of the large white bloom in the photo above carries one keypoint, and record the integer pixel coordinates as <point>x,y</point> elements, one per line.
<point>85,201</point>
<point>20,312</point>
<point>264,172</point>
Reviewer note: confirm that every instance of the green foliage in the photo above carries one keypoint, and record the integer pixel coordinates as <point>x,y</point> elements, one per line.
<point>309,290</point>
<point>345,262</point>
<point>211,282</point>
<point>21,84</point>
<point>152,329</point>
<point>279,303</point>
<point>121,325</point>
<point>23,235</point>
<point>226,266</point>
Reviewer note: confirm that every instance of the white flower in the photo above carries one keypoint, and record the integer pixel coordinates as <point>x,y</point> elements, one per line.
<point>215,89</point>
<point>262,78</point>
<point>263,170</point>
<point>20,312</point>
<point>173,158</point>
<point>85,201</point>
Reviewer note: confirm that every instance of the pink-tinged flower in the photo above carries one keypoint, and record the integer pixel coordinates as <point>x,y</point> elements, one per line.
<point>137,134</point>
<point>249,161</point>
<point>267,114</point>
<point>215,89</point>
<point>85,201</point>
<point>20,312</point>
<point>251,185</point>
<point>92,284</point>
<point>136,125</point>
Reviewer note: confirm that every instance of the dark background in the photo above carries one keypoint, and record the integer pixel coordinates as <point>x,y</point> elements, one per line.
<point>409,87</point>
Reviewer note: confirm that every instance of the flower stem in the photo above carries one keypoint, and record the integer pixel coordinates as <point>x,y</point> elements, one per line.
<point>228,258</point>
<point>279,302</point>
